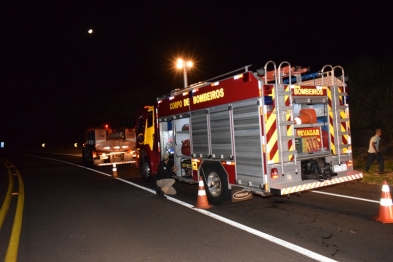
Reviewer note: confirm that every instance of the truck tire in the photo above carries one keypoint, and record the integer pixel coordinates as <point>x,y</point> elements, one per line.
<point>145,170</point>
<point>216,186</point>
<point>87,157</point>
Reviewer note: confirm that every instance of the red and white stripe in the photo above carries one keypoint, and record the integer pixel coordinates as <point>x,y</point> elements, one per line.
<point>201,188</point>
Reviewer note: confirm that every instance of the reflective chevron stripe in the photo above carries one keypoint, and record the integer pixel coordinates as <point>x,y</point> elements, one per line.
<point>345,125</point>
<point>331,125</point>
<point>291,145</point>
<point>271,133</point>
<point>313,185</point>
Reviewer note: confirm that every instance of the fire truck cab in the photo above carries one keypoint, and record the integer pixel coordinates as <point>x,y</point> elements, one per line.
<point>253,131</point>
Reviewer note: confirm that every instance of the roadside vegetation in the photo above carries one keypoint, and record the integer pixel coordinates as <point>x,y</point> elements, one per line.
<point>370,96</point>
<point>373,176</point>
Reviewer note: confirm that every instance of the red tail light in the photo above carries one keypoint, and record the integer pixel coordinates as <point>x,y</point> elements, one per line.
<point>349,163</point>
<point>268,89</point>
<point>274,173</point>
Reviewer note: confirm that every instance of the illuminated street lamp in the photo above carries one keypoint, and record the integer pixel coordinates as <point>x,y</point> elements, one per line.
<point>181,64</point>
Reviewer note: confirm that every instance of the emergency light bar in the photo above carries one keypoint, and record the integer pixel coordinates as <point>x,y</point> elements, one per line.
<point>238,76</point>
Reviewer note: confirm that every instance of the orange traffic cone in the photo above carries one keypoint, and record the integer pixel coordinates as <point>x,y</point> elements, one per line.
<point>114,171</point>
<point>306,116</point>
<point>202,198</point>
<point>386,206</point>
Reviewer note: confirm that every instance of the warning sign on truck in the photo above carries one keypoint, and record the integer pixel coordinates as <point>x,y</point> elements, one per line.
<point>309,139</point>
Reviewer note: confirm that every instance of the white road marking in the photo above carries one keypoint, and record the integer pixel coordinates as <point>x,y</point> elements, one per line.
<point>343,196</point>
<point>250,230</point>
<point>255,232</point>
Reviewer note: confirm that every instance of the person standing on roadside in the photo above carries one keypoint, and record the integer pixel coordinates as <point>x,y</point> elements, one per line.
<point>164,178</point>
<point>374,153</point>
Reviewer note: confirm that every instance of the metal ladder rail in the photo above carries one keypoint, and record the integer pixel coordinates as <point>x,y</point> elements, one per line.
<point>322,72</point>
<point>282,111</point>
<point>341,108</point>
<point>344,93</point>
<point>293,138</point>
<point>336,109</point>
<point>276,107</point>
<point>275,70</point>
<point>275,75</point>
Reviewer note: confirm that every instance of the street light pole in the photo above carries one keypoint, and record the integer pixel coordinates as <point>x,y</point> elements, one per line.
<point>185,76</point>
<point>181,64</point>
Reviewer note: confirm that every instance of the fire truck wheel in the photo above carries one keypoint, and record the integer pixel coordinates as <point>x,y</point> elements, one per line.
<point>145,170</point>
<point>216,185</point>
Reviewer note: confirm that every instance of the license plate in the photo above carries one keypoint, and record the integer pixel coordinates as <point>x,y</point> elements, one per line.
<point>339,168</point>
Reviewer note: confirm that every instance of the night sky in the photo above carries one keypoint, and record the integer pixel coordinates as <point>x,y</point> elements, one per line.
<point>56,78</point>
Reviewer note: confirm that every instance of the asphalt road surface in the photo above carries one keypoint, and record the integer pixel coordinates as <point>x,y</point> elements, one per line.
<point>74,213</point>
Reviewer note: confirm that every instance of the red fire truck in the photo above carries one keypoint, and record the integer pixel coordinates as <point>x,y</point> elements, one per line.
<point>252,131</point>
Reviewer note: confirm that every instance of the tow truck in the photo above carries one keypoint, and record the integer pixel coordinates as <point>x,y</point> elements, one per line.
<point>106,146</point>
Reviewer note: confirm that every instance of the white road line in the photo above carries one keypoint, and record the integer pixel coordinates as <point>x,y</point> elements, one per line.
<point>343,196</point>
<point>250,230</point>
<point>255,232</point>
<point>102,173</point>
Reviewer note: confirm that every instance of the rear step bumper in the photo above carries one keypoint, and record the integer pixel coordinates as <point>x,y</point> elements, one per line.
<point>289,188</point>
<point>117,163</point>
